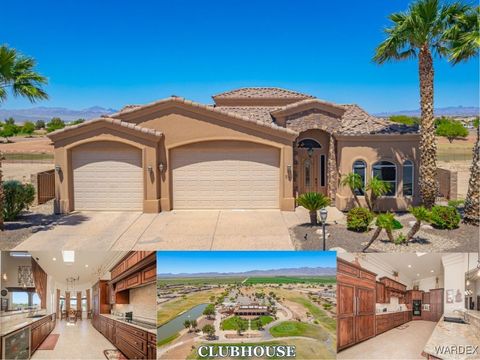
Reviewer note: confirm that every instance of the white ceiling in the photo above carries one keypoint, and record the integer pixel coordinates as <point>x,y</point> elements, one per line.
<point>421,266</point>
<point>99,262</point>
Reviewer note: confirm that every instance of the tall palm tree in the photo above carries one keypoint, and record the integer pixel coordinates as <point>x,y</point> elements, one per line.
<point>17,74</point>
<point>465,36</point>
<point>419,33</point>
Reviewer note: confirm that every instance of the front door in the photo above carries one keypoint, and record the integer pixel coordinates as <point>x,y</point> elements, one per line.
<point>312,169</point>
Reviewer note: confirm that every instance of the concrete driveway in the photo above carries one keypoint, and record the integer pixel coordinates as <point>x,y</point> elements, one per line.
<point>171,230</point>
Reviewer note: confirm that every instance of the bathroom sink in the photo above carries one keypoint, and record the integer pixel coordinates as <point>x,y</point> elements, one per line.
<point>454,320</point>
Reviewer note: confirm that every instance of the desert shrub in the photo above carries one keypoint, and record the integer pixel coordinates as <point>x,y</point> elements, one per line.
<point>445,217</point>
<point>359,219</point>
<point>17,198</point>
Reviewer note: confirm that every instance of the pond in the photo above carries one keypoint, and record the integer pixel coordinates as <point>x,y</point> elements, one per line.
<point>175,325</point>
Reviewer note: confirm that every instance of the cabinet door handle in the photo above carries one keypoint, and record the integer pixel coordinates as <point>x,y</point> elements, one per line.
<point>354,305</point>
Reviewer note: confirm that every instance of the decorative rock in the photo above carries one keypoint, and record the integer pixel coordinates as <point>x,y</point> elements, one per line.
<point>426,226</point>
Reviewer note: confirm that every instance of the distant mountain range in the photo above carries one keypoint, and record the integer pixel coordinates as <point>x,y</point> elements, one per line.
<point>303,271</point>
<point>445,111</point>
<point>46,113</point>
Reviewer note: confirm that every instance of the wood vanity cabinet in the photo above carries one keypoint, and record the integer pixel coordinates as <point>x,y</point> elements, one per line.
<point>380,292</point>
<point>39,331</point>
<point>356,296</point>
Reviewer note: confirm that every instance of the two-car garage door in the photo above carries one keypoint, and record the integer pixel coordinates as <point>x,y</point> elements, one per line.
<point>107,176</point>
<point>225,175</point>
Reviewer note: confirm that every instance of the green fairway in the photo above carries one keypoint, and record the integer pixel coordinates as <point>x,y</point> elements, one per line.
<point>231,323</point>
<point>320,315</point>
<point>295,328</point>
<point>168,340</point>
<point>199,281</point>
<point>264,319</point>
<point>291,280</point>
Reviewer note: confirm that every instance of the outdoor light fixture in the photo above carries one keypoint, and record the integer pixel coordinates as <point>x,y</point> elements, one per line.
<point>310,152</point>
<point>58,168</point>
<point>150,169</point>
<point>323,218</point>
<point>160,167</point>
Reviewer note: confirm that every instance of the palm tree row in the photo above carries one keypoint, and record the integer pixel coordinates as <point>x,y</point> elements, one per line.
<point>18,75</point>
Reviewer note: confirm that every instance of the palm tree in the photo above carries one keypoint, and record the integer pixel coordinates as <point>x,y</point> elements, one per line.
<point>421,213</point>
<point>313,201</point>
<point>383,222</point>
<point>420,32</point>
<point>377,188</point>
<point>18,75</point>
<point>355,183</point>
<point>472,202</point>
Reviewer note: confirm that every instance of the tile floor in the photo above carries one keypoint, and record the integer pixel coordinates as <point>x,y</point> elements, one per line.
<point>393,344</point>
<point>79,341</point>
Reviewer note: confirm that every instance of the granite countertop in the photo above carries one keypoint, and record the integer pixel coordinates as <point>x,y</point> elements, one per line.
<point>7,327</point>
<point>453,336</point>
<point>390,312</point>
<point>474,313</point>
<point>116,318</point>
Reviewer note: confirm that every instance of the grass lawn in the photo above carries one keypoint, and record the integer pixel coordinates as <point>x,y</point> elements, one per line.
<point>169,310</point>
<point>305,349</point>
<point>231,323</point>
<point>200,281</point>
<point>296,328</point>
<point>264,319</point>
<point>457,151</point>
<point>168,340</point>
<point>319,314</point>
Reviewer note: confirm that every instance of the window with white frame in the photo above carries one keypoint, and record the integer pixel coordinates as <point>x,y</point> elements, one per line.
<point>408,178</point>
<point>387,172</point>
<point>360,168</point>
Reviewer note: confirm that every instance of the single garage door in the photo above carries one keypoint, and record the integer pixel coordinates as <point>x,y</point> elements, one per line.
<point>225,175</point>
<point>107,176</point>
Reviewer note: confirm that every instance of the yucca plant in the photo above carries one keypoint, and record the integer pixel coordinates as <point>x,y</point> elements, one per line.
<point>355,183</point>
<point>313,201</point>
<point>421,213</point>
<point>383,222</point>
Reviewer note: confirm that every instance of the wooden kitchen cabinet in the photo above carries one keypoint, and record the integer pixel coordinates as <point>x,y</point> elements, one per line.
<point>389,321</point>
<point>149,274</point>
<point>152,346</point>
<point>426,298</point>
<point>380,292</point>
<point>436,304</point>
<point>40,330</point>
<point>356,297</point>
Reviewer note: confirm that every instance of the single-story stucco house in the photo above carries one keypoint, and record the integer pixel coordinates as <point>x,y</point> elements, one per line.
<point>254,148</point>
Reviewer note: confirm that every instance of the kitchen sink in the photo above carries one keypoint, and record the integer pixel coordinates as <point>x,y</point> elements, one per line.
<point>454,320</point>
<point>35,316</point>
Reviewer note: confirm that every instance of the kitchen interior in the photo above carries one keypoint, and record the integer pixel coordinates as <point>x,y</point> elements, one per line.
<point>78,305</point>
<point>408,306</point>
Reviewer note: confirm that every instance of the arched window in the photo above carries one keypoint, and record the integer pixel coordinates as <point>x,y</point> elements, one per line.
<point>309,144</point>
<point>408,178</point>
<point>360,168</point>
<point>386,171</point>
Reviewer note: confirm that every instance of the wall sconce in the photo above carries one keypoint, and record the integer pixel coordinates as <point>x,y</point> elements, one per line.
<point>58,168</point>
<point>310,152</point>
<point>150,169</point>
<point>161,167</point>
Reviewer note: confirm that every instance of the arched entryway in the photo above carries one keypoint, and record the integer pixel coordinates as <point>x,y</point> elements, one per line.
<point>311,162</point>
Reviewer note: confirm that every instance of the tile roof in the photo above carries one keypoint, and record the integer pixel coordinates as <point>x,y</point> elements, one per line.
<point>262,92</point>
<point>225,110</point>
<point>257,113</point>
<point>111,121</point>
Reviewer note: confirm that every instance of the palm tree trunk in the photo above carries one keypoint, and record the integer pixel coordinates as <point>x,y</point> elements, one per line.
<point>390,235</point>
<point>472,202</point>
<point>377,232</point>
<point>313,218</point>
<point>357,200</point>
<point>2,226</point>
<point>413,231</point>
<point>428,145</point>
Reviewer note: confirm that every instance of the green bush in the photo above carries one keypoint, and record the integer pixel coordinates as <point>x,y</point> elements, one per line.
<point>456,203</point>
<point>17,198</point>
<point>445,217</point>
<point>28,128</point>
<point>359,219</point>
<point>55,124</point>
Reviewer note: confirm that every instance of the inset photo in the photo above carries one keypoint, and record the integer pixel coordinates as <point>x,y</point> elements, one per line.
<point>78,305</point>
<point>275,304</point>
<point>408,306</point>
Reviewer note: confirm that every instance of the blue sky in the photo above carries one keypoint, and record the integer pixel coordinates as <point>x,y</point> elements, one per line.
<point>113,52</point>
<point>236,261</point>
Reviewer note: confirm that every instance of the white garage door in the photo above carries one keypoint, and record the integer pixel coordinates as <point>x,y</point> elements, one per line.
<point>222,175</point>
<point>107,176</point>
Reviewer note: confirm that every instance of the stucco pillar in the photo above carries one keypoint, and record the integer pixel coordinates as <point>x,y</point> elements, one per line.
<point>332,169</point>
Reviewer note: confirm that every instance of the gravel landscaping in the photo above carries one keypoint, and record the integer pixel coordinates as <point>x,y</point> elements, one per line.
<point>428,239</point>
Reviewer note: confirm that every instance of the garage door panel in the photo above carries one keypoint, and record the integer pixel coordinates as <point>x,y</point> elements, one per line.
<point>212,177</point>
<point>108,178</point>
